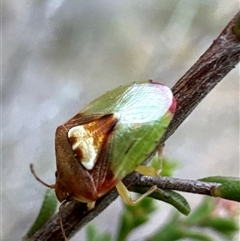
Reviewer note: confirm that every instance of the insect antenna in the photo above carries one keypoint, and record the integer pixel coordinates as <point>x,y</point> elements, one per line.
<point>40,180</point>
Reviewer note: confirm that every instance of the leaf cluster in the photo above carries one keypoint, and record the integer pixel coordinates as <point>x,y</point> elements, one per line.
<point>203,224</point>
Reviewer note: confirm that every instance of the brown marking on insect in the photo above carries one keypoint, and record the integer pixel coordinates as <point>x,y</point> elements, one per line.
<point>108,183</point>
<point>87,140</point>
<point>101,173</point>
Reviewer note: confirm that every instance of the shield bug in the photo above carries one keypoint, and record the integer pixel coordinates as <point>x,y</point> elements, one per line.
<point>110,138</point>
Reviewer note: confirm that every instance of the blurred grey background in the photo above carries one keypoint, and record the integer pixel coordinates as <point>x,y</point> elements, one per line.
<point>60,55</point>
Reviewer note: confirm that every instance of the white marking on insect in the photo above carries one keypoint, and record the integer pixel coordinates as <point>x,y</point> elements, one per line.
<point>85,143</point>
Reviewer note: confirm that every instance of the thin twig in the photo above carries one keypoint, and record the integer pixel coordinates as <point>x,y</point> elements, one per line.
<point>177,184</point>
<point>202,77</point>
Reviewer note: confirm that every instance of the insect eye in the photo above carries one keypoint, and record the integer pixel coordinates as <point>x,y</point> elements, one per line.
<point>56,173</point>
<point>68,198</point>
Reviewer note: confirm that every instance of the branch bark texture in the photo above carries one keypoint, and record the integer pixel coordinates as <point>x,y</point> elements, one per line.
<point>222,56</point>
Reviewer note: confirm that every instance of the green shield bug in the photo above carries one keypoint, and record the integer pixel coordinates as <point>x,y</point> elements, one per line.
<point>110,138</point>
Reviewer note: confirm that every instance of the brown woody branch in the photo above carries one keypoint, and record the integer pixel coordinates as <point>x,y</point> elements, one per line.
<point>176,184</point>
<point>222,56</point>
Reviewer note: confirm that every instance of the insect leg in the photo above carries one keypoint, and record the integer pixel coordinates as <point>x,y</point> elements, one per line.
<point>125,194</point>
<point>91,205</point>
<point>148,171</point>
<point>151,171</point>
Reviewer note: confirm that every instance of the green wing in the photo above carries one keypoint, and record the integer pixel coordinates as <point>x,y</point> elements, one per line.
<point>143,111</point>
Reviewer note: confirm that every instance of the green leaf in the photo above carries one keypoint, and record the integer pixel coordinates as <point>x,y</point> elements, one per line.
<point>166,166</point>
<point>94,235</point>
<point>201,236</point>
<point>230,188</point>
<point>176,229</point>
<point>226,226</point>
<point>169,232</point>
<point>47,210</point>
<point>168,196</point>
<point>177,233</point>
<point>202,212</point>
<point>219,179</point>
